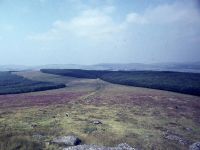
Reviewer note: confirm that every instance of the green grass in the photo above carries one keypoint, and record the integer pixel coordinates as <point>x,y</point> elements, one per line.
<point>119,125</point>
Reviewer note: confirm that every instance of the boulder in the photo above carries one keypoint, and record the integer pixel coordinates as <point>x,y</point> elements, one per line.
<point>122,146</point>
<point>189,129</point>
<point>86,147</point>
<point>34,125</point>
<point>176,138</point>
<point>195,146</point>
<point>38,137</point>
<point>67,141</point>
<point>96,122</point>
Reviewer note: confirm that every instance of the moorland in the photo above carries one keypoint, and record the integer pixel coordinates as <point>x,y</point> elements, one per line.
<point>129,110</point>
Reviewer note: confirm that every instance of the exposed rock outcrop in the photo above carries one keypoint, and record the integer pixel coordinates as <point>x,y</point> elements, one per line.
<point>96,122</point>
<point>195,146</point>
<point>176,138</point>
<point>67,141</point>
<point>125,146</point>
<point>122,146</point>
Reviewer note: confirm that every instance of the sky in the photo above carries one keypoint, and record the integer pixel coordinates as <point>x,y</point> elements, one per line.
<point>38,32</point>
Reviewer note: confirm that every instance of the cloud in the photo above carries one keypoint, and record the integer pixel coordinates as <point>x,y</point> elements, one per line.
<point>90,23</point>
<point>93,24</point>
<point>99,23</point>
<point>109,9</point>
<point>136,18</point>
<point>177,12</point>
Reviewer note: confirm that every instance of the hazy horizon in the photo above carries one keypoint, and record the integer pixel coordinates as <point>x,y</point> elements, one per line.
<point>101,63</point>
<point>42,32</point>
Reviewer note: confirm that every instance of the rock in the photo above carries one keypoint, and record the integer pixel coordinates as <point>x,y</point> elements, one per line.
<point>34,125</point>
<point>176,138</point>
<point>189,129</point>
<point>122,146</point>
<point>38,137</point>
<point>67,115</point>
<point>96,122</point>
<point>67,141</point>
<point>195,146</point>
<point>86,147</point>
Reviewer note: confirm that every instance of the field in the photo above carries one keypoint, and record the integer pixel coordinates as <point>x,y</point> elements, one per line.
<point>187,83</point>
<point>143,118</point>
<point>13,84</point>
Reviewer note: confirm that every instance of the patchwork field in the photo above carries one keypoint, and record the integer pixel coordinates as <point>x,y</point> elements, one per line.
<point>143,118</point>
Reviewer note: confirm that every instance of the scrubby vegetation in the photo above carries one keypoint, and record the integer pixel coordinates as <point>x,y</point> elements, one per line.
<point>188,83</point>
<point>19,142</point>
<point>13,84</point>
<point>143,118</point>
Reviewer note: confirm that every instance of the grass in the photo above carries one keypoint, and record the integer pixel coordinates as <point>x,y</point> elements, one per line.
<point>19,142</point>
<point>119,125</point>
<point>137,116</point>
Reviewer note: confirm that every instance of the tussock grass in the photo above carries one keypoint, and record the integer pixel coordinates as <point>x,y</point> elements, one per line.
<point>139,117</point>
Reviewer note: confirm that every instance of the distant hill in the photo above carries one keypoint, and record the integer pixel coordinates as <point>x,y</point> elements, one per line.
<point>13,67</point>
<point>180,67</point>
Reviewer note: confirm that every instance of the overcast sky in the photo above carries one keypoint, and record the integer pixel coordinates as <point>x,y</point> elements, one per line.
<point>35,32</point>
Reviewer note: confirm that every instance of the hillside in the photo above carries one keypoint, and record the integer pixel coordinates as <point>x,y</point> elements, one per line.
<point>13,84</point>
<point>188,83</point>
<point>143,118</point>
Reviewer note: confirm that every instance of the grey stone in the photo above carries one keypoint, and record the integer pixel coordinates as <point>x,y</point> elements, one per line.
<point>195,146</point>
<point>96,122</point>
<point>189,129</point>
<point>122,146</point>
<point>38,137</point>
<point>67,140</point>
<point>87,147</point>
<point>176,138</point>
<point>125,146</point>
<point>34,125</point>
